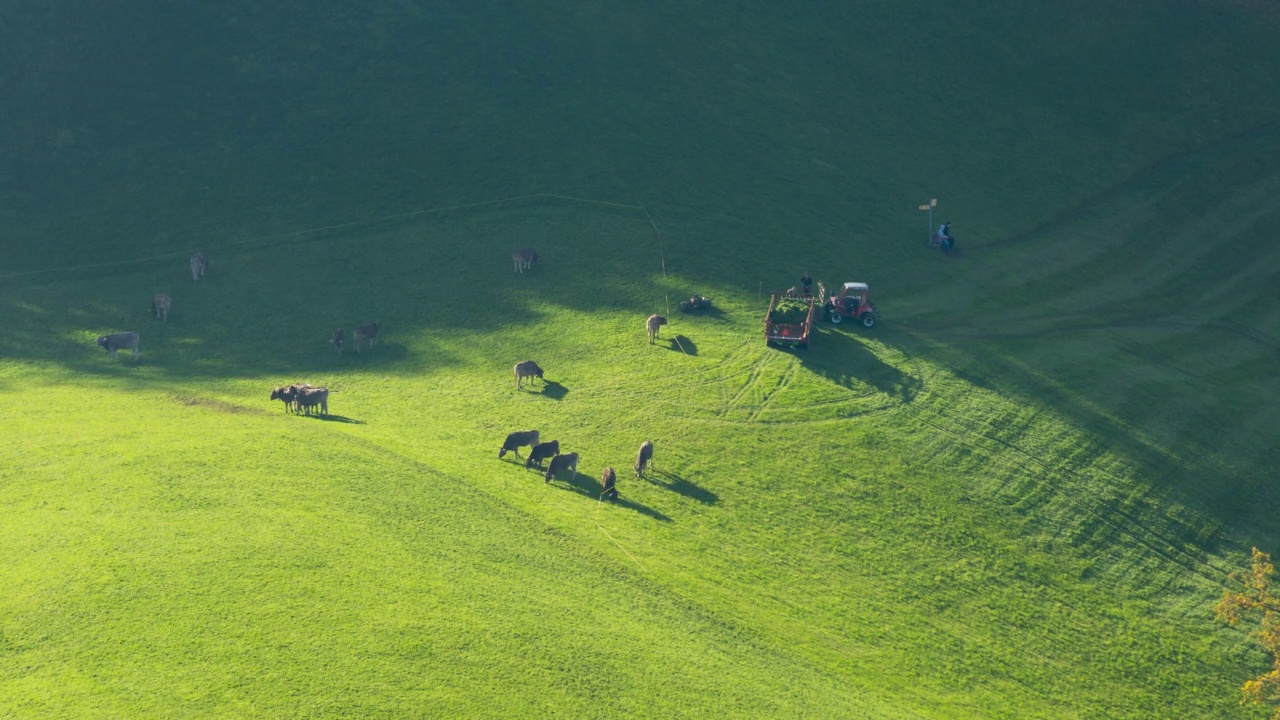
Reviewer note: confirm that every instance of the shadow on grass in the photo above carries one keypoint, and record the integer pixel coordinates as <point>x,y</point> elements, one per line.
<point>842,358</point>
<point>554,390</point>
<point>220,328</point>
<point>681,486</point>
<point>375,356</point>
<point>709,312</point>
<point>338,419</point>
<point>586,484</point>
<point>680,343</point>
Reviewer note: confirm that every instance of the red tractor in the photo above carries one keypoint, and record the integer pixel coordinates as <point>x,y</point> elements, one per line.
<point>853,301</point>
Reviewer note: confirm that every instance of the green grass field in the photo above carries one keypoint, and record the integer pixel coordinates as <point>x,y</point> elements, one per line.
<point>1018,496</point>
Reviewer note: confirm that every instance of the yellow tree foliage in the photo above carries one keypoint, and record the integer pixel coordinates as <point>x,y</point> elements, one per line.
<point>1257,600</point>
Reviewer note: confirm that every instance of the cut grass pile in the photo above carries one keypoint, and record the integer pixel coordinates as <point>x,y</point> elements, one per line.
<point>789,311</point>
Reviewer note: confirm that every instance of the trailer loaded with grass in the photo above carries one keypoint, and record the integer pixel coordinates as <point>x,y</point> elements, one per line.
<point>789,320</point>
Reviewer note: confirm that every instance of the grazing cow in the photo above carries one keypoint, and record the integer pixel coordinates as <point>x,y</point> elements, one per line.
<point>644,458</point>
<point>160,306</point>
<point>524,259</point>
<point>288,394</point>
<point>120,341</point>
<point>653,324</point>
<point>368,331</point>
<point>309,397</point>
<point>527,369</point>
<point>199,265</point>
<point>516,440</point>
<point>562,462</point>
<point>541,452</point>
<point>610,482</point>
<point>338,335</point>
<point>284,395</point>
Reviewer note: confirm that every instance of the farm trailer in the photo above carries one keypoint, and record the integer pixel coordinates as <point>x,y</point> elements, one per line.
<point>789,320</point>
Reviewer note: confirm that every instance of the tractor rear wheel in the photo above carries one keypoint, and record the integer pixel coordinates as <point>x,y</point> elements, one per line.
<point>868,320</point>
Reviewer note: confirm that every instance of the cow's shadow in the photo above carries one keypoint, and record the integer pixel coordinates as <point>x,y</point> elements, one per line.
<point>680,343</point>
<point>337,419</point>
<point>554,390</point>
<point>681,486</point>
<point>586,484</point>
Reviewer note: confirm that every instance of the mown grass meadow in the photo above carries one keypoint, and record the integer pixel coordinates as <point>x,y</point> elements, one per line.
<point>1017,496</point>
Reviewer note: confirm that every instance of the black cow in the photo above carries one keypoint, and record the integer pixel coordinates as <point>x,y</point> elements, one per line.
<point>516,440</point>
<point>541,452</point>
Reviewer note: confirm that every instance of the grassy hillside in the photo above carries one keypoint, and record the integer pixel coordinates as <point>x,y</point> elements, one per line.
<point>1017,496</point>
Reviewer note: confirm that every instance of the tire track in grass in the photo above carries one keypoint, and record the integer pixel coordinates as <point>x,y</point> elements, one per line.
<point>1130,524</point>
<point>859,405</point>
<point>783,383</point>
<point>1152,173</point>
<point>1057,480</point>
<point>693,378</point>
<point>753,377</point>
<point>1132,527</point>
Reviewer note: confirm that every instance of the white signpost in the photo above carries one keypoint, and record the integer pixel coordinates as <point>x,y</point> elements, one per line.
<point>932,204</point>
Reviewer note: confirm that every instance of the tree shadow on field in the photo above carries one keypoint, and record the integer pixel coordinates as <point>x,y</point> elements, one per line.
<point>197,345</point>
<point>680,343</point>
<point>375,356</point>
<point>250,320</point>
<point>845,360</point>
<point>681,486</point>
<point>586,484</point>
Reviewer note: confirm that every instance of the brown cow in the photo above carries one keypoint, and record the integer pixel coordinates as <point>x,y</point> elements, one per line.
<point>310,397</point>
<point>653,324</point>
<point>199,265</point>
<point>644,458</point>
<point>527,369</point>
<point>288,394</point>
<point>562,462</point>
<point>609,481</point>
<point>368,331</point>
<point>525,259</point>
<point>160,306</point>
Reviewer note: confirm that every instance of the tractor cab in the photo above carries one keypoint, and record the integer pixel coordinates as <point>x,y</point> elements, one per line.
<point>851,300</point>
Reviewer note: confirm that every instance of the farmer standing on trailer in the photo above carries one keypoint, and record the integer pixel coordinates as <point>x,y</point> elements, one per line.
<point>807,283</point>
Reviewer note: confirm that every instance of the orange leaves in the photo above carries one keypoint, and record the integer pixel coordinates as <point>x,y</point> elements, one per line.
<point>1257,599</point>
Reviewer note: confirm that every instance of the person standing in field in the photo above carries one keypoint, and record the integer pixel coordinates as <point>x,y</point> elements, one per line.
<point>807,283</point>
